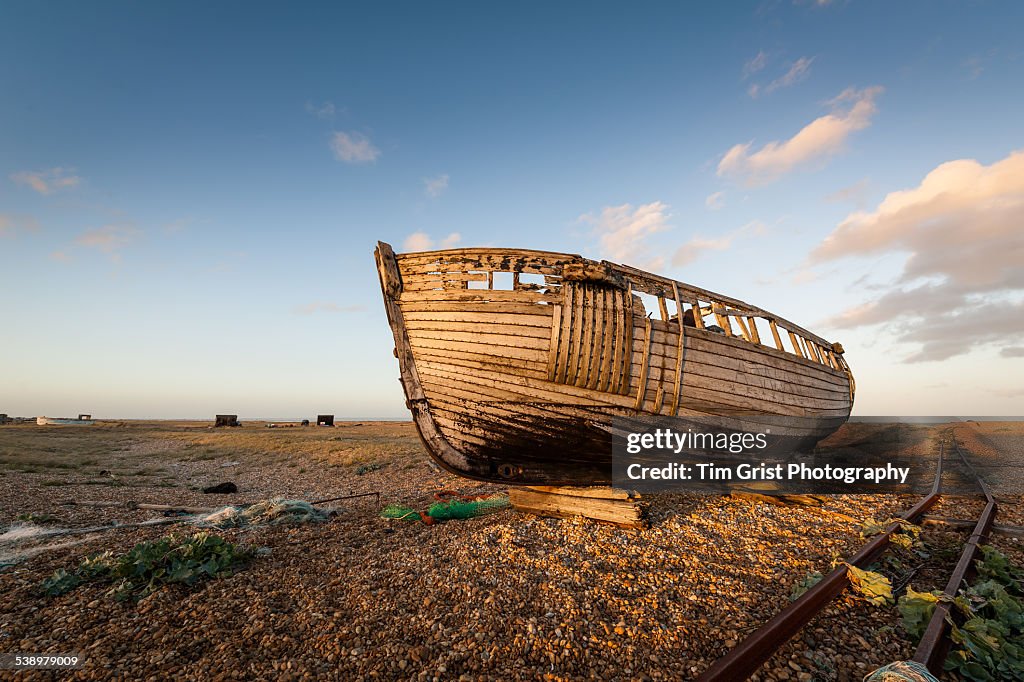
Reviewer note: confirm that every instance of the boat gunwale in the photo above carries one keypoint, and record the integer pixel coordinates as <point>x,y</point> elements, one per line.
<point>659,286</point>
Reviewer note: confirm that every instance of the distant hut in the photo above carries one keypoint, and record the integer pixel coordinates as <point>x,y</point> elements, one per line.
<point>227,420</point>
<point>3,418</point>
<point>84,417</point>
<point>325,420</point>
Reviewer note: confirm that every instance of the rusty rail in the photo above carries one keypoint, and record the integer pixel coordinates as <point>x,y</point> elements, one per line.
<point>934,645</point>
<point>747,656</point>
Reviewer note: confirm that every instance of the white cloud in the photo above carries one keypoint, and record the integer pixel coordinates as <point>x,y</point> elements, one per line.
<point>417,241</point>
<point>756,64</point>
<point>693,249</point>
<point>798,71</point>
<point>435,187</point>
<point>974,67</point>
<point>698,246</point>
<point>61,256</point>
<point>353,147</point>
<point>913,219</point>
<point>178,225</point>
<point>227,262</point>
<point>109,239</point>
<point>326,307</point>
<point>421,241</point>
<point>823,137</point>
<point>325,110</point>
<point>47,181</point>
<point>961,231</point>
<point>11,223</point>
<point>622,232</point>
<point>856,193</point>
<point>715,201</point>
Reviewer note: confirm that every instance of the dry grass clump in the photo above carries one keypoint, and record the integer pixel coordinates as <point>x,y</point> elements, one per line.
<point>40,449</point>
<point>342,446</point>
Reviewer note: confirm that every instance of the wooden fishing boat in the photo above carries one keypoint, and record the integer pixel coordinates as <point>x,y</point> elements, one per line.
<point>514,362</point>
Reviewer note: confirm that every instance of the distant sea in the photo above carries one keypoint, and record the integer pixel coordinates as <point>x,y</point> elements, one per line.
<point>243,418</point>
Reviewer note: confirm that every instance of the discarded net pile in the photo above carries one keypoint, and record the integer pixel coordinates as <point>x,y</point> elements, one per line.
<point>267,512</point>
<point>449,506</point>
<point>901,671</point>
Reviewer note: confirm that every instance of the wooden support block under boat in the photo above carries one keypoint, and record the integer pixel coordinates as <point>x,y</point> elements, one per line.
<point>608,505</point>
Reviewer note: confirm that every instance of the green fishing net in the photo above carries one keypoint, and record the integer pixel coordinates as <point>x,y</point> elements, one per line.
<point>397,511</point>
<point>447,510</point>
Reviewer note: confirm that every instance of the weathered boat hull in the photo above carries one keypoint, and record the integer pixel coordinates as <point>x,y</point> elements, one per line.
<point>520,384</point>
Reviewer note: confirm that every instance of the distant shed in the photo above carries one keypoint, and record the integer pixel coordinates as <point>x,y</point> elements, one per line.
<point>85,417</point>
<point>227,420</point>
<point>325,420</point>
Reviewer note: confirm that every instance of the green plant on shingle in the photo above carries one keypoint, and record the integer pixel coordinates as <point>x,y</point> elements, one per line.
<point>916,610</point>
<point>38,519</point>
<point>148,566</point>
<point>988,633</point>
<point>60,582</point>
<point>994,565</point>
<point>807,582</point>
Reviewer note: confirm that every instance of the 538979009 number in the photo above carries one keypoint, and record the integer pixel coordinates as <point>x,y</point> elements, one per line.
<point>40,661</point>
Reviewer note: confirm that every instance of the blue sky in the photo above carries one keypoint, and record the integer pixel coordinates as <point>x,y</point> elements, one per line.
<point>190,193</point>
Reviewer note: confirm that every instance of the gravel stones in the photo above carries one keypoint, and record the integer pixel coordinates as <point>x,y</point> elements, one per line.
<point>500,597</point>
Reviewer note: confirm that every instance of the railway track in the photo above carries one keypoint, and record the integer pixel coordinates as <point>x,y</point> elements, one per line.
<point>934,645</point>
<point>749,655</point>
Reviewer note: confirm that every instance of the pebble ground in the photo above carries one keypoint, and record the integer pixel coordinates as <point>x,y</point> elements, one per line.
<point>501,597</point>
